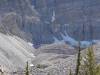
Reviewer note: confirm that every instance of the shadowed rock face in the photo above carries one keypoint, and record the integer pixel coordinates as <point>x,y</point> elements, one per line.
<point>39,21</point>
<point>45,22</point>
<point>17,17</point>
<point>70,16</point>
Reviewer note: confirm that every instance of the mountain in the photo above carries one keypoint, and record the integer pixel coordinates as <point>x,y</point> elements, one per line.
<point>14,53</point>
<point>59,63</point>
<point>41,22</point>
<point>17,17</point>
<point>77,17</point>
<point>47,33</point>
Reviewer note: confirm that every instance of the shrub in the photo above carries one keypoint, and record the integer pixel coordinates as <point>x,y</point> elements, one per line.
<point>89,65</point>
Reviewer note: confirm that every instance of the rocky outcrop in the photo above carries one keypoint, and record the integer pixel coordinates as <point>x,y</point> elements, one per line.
<point>40,21</point>
<point>77,17</point>
<point>60,64</point>
<point>17,17</point>
<point>14,53</point>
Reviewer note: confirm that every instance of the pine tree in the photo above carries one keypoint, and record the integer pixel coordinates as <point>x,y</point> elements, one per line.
<point>70,72</point>
<point>78,61</point>
<point>27,69</point>
<point>90,66</point>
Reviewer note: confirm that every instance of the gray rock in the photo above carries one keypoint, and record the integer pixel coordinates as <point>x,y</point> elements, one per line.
<point>43,20</point>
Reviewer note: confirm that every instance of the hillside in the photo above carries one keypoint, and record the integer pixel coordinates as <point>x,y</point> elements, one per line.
<point>14,52</point>
<point>43,21</point>
<point>47,34</point>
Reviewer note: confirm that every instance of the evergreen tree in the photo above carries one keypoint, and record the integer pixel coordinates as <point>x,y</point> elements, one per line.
<point>27,69</point>
<point>70,73</point>
<point>78,61</point>
<point>90,66</point>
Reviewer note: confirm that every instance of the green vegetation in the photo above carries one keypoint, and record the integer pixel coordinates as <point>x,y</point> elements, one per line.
<point>86,65</point>
<point>89,65</point>
<point>27,69</point>
<point>78,61</point>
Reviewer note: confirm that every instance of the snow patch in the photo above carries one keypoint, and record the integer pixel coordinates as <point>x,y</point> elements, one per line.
<point>68,39</point>
<point>85,44</point>
<point>31,65</point>
<point>53,17</point>
<point>73,42</point>
<point>55,40</point>
<point>29,43</point>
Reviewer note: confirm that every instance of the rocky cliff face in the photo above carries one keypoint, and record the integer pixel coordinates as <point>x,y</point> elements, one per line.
<point>46,22</point>
<point>43,21</point>
<point>72,16</point>
<point>18,17</point>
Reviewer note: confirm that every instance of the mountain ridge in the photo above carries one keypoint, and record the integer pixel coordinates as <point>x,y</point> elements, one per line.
<point>43,20</point>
